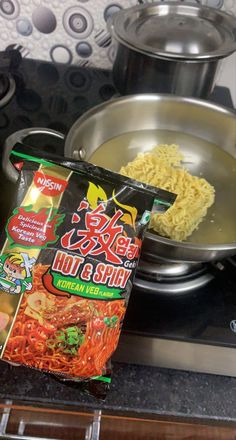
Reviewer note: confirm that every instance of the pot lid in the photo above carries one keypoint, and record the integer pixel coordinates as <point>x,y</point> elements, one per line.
<point>174,30</point>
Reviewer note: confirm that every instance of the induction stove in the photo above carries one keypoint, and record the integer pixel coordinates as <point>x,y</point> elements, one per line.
<point>192,331</point>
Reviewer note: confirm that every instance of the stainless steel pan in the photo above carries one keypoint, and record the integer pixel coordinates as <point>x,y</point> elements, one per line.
<point>206,134</point>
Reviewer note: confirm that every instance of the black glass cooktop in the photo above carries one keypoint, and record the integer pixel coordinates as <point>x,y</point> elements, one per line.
<point>54,96</point>
<point>206,315</point>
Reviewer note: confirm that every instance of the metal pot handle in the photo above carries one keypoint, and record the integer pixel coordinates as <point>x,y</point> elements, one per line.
<point>19,136</point>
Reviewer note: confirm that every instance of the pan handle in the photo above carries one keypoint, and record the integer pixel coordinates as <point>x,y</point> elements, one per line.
<point>19,136</point>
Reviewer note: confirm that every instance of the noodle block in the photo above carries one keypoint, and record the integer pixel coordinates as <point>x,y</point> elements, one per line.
<point>162,168</point>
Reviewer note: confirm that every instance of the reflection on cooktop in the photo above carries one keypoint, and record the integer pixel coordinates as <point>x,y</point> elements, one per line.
<point>52,96</point>
<point>204,315</point>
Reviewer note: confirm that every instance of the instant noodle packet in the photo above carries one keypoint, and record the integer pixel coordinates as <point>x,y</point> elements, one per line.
<point>71,247</point>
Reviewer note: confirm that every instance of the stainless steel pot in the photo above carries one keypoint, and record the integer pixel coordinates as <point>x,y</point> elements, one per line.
<point>170,48</point>
<point>204,131</point>
<point>207,135</point>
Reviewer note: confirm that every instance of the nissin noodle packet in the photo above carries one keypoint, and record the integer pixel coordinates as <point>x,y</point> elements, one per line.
<point>68,258</point>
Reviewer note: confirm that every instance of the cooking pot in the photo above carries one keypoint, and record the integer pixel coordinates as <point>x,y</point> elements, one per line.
<point>170,48</point>
<point>206,134</point>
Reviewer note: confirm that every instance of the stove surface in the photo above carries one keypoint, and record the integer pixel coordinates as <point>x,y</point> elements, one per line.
<point>206,315</point>
<point>52,96</point>
<point>179,332</point>
<point>194,333</point>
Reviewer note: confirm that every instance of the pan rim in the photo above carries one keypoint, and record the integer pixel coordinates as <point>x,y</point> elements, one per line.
<point>144,97</point>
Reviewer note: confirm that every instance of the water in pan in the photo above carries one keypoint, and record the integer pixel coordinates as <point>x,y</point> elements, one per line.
<point>202,159</point>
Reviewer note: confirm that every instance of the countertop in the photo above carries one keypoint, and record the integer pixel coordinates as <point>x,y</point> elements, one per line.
<point>135,390</point>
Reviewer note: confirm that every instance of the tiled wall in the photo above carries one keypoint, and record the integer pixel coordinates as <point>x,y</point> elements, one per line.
<point>74,31</point>
<point>68,31</point>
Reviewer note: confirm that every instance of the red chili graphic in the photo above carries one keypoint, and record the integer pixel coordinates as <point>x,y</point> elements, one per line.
<point>47,282</point>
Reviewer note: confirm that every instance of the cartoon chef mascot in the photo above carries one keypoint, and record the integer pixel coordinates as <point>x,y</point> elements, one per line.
<point>15,272</point>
